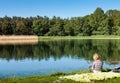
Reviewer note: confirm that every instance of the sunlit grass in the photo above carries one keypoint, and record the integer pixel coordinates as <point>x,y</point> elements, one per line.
<point>55,78</point>
<point>78,37</point>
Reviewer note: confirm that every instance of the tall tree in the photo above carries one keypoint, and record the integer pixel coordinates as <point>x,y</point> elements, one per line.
<point>96,21</point>
<point>6,26</point>
<point>56,28</point>
<point>87,28</point>
<point>41,26</point>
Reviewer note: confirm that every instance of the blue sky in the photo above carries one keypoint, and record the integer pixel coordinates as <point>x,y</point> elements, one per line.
<point>50,8</point>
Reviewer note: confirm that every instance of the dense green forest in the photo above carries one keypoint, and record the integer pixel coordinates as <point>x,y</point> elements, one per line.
<point>97,23</point>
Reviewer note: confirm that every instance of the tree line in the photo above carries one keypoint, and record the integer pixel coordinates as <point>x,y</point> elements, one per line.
<point>97,23</point>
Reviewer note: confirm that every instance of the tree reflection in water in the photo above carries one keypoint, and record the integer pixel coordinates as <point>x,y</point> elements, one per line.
<point>108,49</point>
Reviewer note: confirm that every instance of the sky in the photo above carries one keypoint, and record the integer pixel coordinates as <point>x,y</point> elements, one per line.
<point>50,8</point>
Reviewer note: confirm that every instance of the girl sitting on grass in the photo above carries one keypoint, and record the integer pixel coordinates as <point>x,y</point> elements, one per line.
<point>97,64</point>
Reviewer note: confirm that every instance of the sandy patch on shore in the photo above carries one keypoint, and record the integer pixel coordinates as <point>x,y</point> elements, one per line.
<point>18,39</point>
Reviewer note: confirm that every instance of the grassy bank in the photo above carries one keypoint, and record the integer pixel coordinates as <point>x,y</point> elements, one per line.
<point>50,79</point>
<point>53,78</point>
<point>35,38</point>
<point>78,37</point>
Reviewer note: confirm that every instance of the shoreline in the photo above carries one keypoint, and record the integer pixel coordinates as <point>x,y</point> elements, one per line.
<point>18,39</point>
<point>33,39</point>
<point>95,37</point>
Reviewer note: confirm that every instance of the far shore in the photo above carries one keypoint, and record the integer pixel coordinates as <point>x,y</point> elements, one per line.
<point>33,39</point>
<point>79,37</point>
<point>18,39</point>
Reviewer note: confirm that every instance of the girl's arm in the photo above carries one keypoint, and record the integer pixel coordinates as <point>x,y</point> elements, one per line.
<point>93,66</point>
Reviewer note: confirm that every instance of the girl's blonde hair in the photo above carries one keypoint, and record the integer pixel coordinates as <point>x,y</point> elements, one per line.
<point>96,56</point>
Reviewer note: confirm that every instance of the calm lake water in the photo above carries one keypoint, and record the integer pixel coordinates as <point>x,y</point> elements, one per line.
<point>48,57</point>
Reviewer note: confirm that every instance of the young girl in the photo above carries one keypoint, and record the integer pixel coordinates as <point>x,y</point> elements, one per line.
<point>97,64</point>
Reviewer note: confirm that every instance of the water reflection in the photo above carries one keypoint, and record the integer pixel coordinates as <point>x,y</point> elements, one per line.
<point>47,57</point>
<point>108,49</point>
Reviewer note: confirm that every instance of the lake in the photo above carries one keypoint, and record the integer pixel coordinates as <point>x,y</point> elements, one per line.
<point>47,57</point>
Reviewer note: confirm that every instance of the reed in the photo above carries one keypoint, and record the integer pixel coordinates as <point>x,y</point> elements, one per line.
<point>18,39</point>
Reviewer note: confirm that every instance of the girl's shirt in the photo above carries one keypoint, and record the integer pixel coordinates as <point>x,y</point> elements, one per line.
<point>97,65</point>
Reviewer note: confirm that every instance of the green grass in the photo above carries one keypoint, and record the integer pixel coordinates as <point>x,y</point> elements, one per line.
<point>50,79</point>
<point>41,38</point>
<point>53,78</point>
<point>35,79</point>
